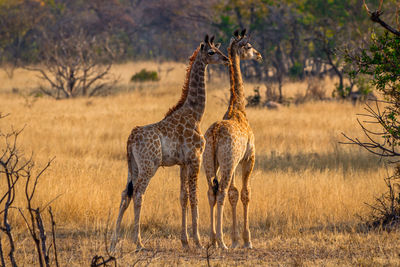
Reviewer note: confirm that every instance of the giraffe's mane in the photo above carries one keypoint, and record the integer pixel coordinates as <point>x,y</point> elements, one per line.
<point>185,88</point>
<point>233,93</point>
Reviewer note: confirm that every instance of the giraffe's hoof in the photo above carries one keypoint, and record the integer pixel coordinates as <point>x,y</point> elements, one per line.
<point>185,244</point>
<point>114,241</point>
<point>112,247</point>
<point>139,247</point>
<point>235,244</point>
<point>248,245</point>
<point>198,245</point>
<point>222,245</point>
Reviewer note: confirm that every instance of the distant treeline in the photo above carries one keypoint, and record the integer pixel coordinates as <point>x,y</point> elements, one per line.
<point>296,37</point>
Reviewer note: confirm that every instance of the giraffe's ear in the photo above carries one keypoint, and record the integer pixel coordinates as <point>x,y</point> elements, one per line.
<point>201,46</point>
<point>218,45</point>
<point>236,33</point>
<point>243,32</point>
<point>206,39</point>
<point>212,39</point>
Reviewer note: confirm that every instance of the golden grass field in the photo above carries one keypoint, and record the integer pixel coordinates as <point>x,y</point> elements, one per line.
<point>308,190</point>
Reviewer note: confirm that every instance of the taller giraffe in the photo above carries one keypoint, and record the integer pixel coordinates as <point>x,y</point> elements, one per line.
<point>228,143</point>
<point>175,140</point>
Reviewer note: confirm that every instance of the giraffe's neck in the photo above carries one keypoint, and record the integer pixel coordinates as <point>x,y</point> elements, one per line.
<point>237,99</point>
<point>196,98</point>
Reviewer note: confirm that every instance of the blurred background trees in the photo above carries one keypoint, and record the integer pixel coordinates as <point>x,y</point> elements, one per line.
<point>297,38</point>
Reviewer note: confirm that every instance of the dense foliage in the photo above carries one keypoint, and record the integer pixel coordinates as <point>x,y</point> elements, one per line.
<point>381,61</point>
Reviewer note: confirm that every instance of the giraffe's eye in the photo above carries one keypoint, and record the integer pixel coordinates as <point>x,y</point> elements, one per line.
<point>211,53</point>
<point>248,46</point>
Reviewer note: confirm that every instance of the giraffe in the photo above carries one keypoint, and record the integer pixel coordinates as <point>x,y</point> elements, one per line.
<point>230,142</point>
<point>175,140</point>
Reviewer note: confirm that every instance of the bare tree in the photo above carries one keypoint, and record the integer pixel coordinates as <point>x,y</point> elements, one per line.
<point>14,170</point>
<point>75,64</point>
<point>11,171</point>
<point>35,225</point>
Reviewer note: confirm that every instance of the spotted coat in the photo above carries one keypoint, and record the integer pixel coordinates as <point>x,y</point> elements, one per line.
<point>230,142</point>
<point>175,140</point>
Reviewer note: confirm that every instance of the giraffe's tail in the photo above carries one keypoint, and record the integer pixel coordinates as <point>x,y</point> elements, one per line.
<point>132,165</point>
<point>215,185</point>
<point>129,189</point>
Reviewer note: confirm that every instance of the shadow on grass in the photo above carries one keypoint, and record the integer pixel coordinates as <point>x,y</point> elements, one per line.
<point>154,228</point>
<point>335,160</point>
<point>266,230</point>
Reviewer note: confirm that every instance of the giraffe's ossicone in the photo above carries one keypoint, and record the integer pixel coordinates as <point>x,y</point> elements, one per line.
<point>175,140</point>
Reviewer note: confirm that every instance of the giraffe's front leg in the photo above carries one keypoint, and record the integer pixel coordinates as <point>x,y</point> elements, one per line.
<point>184,198</point>
<point>193,173</point>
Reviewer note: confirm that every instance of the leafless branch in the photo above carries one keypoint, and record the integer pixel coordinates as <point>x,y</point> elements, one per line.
<point>375,17</point>
<point>42,235</point>
<point>375,144</point>
<point>11,170</point>
<point>208,254</point>
<point>53,233</point>
<point>397,16</point>
<point>95,261</point>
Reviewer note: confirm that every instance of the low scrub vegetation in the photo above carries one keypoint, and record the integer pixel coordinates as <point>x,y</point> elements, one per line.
<point>145,76</point>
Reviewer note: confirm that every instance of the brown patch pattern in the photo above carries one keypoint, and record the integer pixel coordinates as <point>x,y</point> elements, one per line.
<point>175,140</point>
<point>230,142</point>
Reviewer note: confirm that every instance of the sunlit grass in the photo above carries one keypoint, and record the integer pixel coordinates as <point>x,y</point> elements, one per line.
<point>304,180</point>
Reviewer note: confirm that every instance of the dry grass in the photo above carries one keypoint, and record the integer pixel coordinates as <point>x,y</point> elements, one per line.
<point>307,190</point>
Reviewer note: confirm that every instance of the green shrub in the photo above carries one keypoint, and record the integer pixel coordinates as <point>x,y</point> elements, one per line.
<point>145,76</point>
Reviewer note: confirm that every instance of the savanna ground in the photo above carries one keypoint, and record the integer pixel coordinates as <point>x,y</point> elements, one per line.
<point>308,191</point>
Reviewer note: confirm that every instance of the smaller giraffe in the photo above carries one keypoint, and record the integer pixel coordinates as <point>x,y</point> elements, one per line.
<point>230,142</point>
<point>175,140</point>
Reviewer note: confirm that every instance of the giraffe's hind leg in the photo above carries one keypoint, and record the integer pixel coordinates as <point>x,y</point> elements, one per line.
<point>233,195</point>
<point>222,191</point>
<point>247,168</point>
<point>193,173</point>
<point>184,198</point>
<point>126,197</point>
<point>210,170</point>
<point>147,169</point>
<point>212,202</point>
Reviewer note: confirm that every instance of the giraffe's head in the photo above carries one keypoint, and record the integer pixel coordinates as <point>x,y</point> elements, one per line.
<point>210,52</point>
<point>241,43</point>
